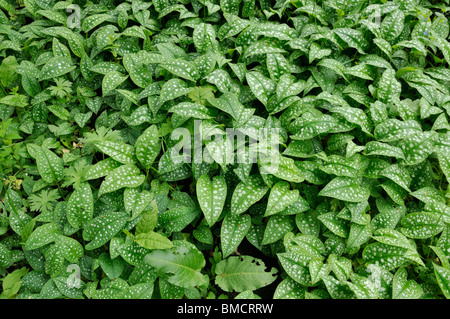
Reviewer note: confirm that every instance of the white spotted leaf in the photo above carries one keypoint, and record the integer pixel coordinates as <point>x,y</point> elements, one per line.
<point>248,193</point>
<point>181,263</point>
<point>112,80</point>
<point>232,232</point>
<point>56,67</point>
<point>243,273</point>
<point>119,151</point>
<point>211,195</point>
<point>102,228</point>
<point>148,146</point>
<point>80,206</point>
<point>123,176</point>
<point>280,197</point>
<point>346,189</point>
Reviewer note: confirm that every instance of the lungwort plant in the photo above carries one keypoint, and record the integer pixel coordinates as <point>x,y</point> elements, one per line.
<point>224,149</point>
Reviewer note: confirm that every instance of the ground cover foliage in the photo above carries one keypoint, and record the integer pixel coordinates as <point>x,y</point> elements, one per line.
<point>93,204</point>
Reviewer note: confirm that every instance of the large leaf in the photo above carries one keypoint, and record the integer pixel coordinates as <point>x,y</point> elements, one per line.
<point>243,273</point>
<point>182,263</point>
<point>233,231</point>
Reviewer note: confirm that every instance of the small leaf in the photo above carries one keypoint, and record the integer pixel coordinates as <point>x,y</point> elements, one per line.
<point>421,225</point>
<point>42,236</point>
<point>152,240</point>
<point>182,68</point>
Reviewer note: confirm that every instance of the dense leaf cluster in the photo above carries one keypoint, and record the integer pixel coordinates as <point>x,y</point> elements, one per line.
<point>95,204</point>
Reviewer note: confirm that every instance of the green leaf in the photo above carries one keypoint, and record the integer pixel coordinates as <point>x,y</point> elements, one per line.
<point>346,189</point>
<point>8,70</point>
<point>49,165</point>
<point>152,240</point>
<point>389,88</point>
<point>232,232</point>
<point>352,37</point>
<point>80,206</point>
<point>69,248</point>
<point>403,288</point>
<point>182,211</point>
<point>119,151</point>
<point>289,289</point>
<point>443,279</point>
<point>261,86</point>
<point>276,228</point>
<point>229,103</point>
<point>394,130</point>
<point>262,47</point>
<point>112,267</point>
<point>148,220</point>
<point>194,110</point>
<point>385,256</point>
<point>56,67</point>
<point>102,228</point>
<point>307,127</point>
<point>148,146</point>
<point>182,263</point>
<point>417,147</point>
<point>182,68</point>
<point>94,20</point>
<point>421,225</point>
<point>101,168</point>
<point>296,266</point>
<point>211,196</point>
<point>172,89</point>
<point>392,25</point>
<point>42,236</point>
<point>282,167</point>
<point>335,224</point>
<point>243,273</point>
<point>280,198</point>
<point>316,52</point>
<point>384,149</point>
<point>123,176</point>
<point>204,38</point>
<point>112,80</point>
<point>246,194</point>
<point>355,116</point>
<point>341,166</point>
